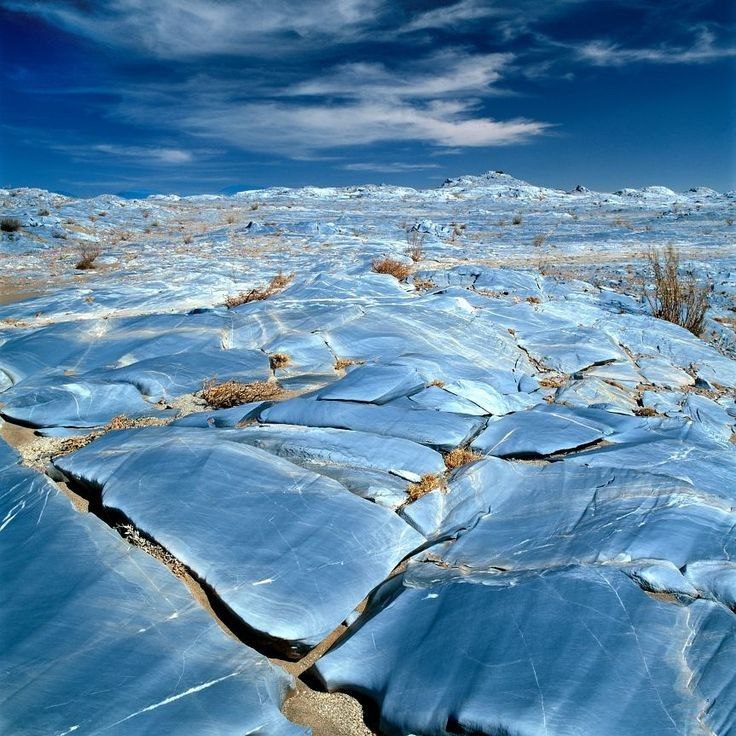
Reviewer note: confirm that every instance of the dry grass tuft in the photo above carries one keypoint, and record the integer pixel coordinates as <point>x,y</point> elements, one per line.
<point>437,382</point>
<point>87,258</point>
<point>539,240</point>
<point>10,224</point>
<point>415,253</point>
<point>278,283</point>
<point>426,484</point>
<point>392,267</point>
<point>676,298</point>
<point>553,380</point>
<point>342,363</point>
<point>278,360</point>
<point>421,284</point>
<point>518,219</point>
<point>460,456</point>
<point>72,444</point>
<point>533,300</point>
<point>645,411</point>
<point>233,393</point>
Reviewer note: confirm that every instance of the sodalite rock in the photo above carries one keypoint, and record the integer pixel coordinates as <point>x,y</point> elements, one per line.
<point>289,551</point>
<point>541,431</point>
<point>73,403</point>
<point>528,516</point>
<point>98,637</point>
<point>436,429</point>
<point>173,375</point>
<point>375,384</point>
<point>715,579</point>
<point>580,650</point>
<point>660,372</point>
<point>571,350</point>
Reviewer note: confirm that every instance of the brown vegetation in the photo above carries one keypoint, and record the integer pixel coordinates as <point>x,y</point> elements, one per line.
<point>392,267</point>
<point>342,363</point>
<point>460,456</point>
<point>426,484</point>
<point>9,224</point>
<point>278,283</point>
<point>278,360</point>
<point>87,258</point>
<point>233,393</point>
<point>677,298</point>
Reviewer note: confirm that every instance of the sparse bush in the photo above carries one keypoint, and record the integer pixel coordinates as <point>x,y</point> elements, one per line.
<point>392,267</point>
<point>10,224</point>
<point>729,221</point>
<point>437,382</point>
<point>87,258</point>
<point>421,284</point>
<point>518,219</point>
<point>415,252</point>
<point>231,218</point>
<point>539,240</point>
<point>254,206</point>
<point>278,360</point>
<point>44,212</point>
<point>279,282</point>
<point>645,411</point>
<point>426,484</point>
<point>676,298</point>
<point>460,456</point>
<point>342,363</point>
<point>233,393</point>
<point>187,239</point>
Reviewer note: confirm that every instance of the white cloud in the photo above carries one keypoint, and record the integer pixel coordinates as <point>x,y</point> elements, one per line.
<point>702,50</point>
<point>446,72</point>
<point>453,15</point>
<point>176,29</point>
<point>289,128</point>
<point>151,153</point>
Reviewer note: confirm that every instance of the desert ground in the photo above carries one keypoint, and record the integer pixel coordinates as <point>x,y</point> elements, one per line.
<point>367,460</point>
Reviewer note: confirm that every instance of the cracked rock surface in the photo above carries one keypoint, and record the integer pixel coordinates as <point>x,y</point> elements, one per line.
<point>497,498</point>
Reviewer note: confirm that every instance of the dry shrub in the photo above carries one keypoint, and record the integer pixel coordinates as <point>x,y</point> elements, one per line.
<point>533,300</point>
<point>87,258</point>
<point>342,363</point>
<point>415,253</point>
<point>10,224</point>
<point>187,239</point>
<point>645,411</point>
<point>421,284</point>
<point>554,380</point>
<point>539,240</point>
<point>233,393</point>
<point>426,484</point>
<point>677,298</point>
<point>460,456</point>
<point>518,219</point>
<point>72,444</point>
<point>278,360</point>
<point>437,382</point>
<point>278,283</point>
<point>254,206</point>
<point>392,267</point>
<point>231,218</point>
<point>43,212</point>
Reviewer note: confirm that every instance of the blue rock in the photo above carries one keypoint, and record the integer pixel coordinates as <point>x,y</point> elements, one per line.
<point>98,637</point>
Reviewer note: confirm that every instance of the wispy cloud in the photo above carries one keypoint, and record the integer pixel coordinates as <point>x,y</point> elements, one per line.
<point>447,72</point>
<point>185,29</point>
<point>704,49</point>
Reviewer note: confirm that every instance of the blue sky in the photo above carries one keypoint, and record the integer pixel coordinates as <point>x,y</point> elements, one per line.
<point>194,96</point>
